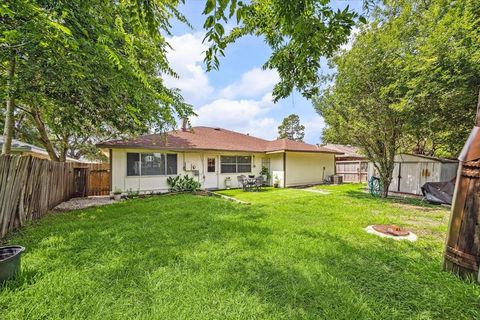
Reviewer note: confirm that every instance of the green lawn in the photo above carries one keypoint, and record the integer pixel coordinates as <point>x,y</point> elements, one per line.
<point>291,254</point>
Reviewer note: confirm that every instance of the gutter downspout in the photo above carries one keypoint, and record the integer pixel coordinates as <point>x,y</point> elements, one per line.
<point>285,169</point>
<point>111,168</point>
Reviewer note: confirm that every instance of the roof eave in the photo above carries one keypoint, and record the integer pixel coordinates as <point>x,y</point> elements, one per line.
<point>302,151</point>
<point>103,146</point>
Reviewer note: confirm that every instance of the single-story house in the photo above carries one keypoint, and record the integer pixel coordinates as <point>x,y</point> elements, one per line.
<point>350,164</point>
<point>412,171</point>
<point>215,156</point>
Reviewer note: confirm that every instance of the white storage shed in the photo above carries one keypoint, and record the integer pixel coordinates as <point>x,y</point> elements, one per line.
<point>412,171</point>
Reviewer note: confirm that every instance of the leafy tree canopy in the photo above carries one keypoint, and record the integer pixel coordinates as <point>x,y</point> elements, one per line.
<point>87,70</point>
<point>291,128</point>
<point>409,83</point>
<point>299,32</point>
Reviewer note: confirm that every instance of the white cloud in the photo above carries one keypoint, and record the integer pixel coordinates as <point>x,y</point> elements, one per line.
<point>351,39</point>
<point>245,116</point>
<point>186,59</point>
<point>253,83</point>
<point>313,129</point>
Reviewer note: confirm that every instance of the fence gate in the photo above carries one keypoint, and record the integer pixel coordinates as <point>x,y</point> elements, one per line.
<point>92,179</point>
<point>98,179</point>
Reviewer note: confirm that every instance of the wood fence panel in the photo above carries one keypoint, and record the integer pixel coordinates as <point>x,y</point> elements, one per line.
<point>352,171</point>
<point>30,187</point>
<point>98,177</point>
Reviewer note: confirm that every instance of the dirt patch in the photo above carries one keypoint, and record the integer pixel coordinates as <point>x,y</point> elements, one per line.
<point>316,191</point>
<point>82,203</point>
<point>408,206</point>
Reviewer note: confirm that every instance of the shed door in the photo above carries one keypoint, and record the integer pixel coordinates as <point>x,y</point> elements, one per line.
<point>427,174</point>
<point>410,177</point>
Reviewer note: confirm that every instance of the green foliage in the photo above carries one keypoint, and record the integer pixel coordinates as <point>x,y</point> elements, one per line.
<point>183,184</point>
<point>132,193</point>
<point>265,172</point>
<point>298,32</point>
<point>290,128</point>
<point>89,70</point>
<point>291,254</point>
<point>409,83</point>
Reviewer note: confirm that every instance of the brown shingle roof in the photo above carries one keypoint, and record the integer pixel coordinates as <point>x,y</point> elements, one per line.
<point>206,138</point>
<point>347,151</point>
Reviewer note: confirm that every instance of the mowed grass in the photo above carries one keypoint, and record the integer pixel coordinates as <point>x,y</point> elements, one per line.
<point>291,254</point>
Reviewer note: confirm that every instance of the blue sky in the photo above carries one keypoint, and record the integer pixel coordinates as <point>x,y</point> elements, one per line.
<point>238,96</point>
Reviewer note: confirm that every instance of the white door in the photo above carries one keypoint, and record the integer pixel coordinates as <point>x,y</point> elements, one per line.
<point>211,172</point>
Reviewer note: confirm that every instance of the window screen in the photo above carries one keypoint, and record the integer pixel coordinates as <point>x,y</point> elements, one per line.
<point>211,165</point>
<point>171,163</point>
<point>151,164</point>
<point>234,164</point>
<point>133,164</point>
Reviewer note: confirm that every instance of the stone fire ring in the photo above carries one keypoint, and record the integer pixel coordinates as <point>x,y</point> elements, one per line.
<point>372,230</point>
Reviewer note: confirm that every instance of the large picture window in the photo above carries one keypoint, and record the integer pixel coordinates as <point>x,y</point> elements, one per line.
<point>235,164</point>
<point>151,164</point>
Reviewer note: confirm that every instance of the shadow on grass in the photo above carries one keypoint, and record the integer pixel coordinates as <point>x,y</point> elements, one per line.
<point>356,281</point>
<point>109,240</point>
<point>391,199</point>
<point>229,248</point>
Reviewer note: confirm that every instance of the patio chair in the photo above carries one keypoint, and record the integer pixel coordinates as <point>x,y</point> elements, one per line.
<point>241,181</point>
<point>259,182</point>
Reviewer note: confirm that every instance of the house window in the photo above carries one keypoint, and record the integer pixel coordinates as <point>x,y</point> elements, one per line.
<point>211,165</point>
<point>133,164</point>
<point>151,164</point>
<point>236,164</point>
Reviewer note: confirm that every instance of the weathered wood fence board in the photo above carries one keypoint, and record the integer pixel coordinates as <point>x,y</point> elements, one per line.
<point>30,187</point>
<point>92,179</point>
<point>352,171</point>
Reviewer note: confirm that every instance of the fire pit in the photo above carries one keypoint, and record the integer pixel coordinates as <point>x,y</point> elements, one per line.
<point>391,231</point>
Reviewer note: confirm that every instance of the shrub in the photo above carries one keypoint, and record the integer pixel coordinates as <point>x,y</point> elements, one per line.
<point>183,184</point>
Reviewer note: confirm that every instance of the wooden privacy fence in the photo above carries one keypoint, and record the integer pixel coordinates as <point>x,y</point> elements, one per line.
<point>30,187</point>
<point>92,179</point>
<point>352,171</point>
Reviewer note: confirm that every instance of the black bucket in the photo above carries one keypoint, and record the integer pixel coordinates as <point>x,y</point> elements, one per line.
<point>10,262</point>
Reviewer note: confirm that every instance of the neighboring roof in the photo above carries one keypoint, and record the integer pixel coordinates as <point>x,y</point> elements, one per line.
<point>347,151</point>
<point>20,146</point>
<point>442,160</point>
<point>206,138</point>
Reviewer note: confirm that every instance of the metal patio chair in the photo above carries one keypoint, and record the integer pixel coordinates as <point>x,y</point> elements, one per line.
<point>242,182</point>
<point>259,182</point>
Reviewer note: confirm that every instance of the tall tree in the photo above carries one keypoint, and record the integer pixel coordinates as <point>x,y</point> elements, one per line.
<point>408,83</point>
<point>364,102</point>
<point>291,128</point>
<point>89,69</point>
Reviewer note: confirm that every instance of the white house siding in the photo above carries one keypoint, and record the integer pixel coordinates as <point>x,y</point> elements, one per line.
<point>276,168</point>
<point>305,168</point>
<point>188,163</point>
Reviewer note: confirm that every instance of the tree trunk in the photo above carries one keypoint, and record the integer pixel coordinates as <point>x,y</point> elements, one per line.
<point>385,185</point>
<point>10,108</point>
<point>44,136</point>
<point>64,149</point>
